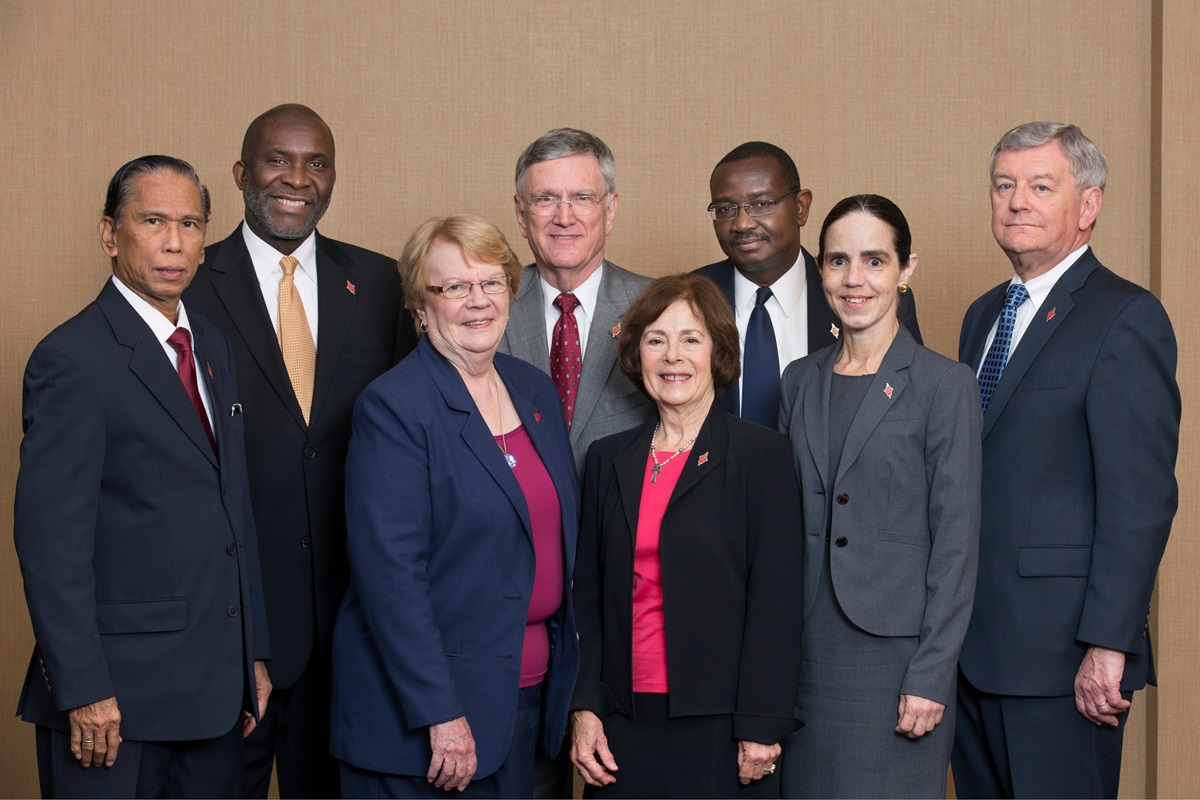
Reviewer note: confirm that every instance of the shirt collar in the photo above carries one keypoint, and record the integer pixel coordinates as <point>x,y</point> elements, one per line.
<point>1039,287</point>
<point>266,258</point>
<point>587,293</point>
<point>787,289</point>
<point>160,326</point>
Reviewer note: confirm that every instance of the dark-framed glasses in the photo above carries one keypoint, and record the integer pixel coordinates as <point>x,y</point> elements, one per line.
<point>584,205</point>
<point>724,212</point>
<point>457,290</point>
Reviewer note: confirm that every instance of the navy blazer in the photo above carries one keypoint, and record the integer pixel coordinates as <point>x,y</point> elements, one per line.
<point>822,322</point>
<point>296,470</point>
<point>136,541</point>
<point>442,567</point>
<point>1079,446</point>
<point>905,524</point>
<point>730,546</point>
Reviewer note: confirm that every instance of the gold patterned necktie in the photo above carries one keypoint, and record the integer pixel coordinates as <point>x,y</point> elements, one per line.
<point>295,337</point>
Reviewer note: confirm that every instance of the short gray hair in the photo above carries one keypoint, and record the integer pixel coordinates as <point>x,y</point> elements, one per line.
<point>1088,165</point>
<point>564,142</point>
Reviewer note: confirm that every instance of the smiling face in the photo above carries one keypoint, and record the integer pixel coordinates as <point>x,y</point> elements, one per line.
<point>286,176</point>
<point>566,247</point>
<point>159,241</point>
<point>860,272</point>
<point>468,330</point>
<point>1039,216</point>
<point>762,248</point>
<point>676,358</point>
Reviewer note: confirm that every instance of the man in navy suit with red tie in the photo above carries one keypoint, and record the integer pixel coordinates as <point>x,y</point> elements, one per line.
<point>133,525</point>
<point>1076,369</point>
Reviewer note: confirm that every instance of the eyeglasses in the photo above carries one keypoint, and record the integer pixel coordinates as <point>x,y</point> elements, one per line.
<point>457,290</point>
<point>584,205</point>
<point>724,212</point>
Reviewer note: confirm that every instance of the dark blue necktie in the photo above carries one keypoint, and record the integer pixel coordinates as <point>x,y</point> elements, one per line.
<point>760,372</point>
<point>997,355</point>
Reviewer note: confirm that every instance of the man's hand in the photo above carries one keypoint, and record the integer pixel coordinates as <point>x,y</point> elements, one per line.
<point>95,732</point>
<point>1098,685</point>
<point>453,763</point>
<point>589,750</point>
<point>756,761</point>
<point>918,716</point>
<point>262,687</point>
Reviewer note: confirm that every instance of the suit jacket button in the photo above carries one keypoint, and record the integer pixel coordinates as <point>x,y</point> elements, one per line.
<point>231,548</point>
<point>310,453</point>
<point>232,611</point>
<point>843,498</point>
<point>842,541</point>
<point>306,541</point>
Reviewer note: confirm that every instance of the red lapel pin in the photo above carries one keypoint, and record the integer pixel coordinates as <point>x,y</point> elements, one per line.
<point>210,375</point>
<point>887,389</point>
<point>834,330</point>
<point>1050,313</point>
<point>702,460</point>
<point>616,331</point>
<point>349,287</point>
<point>537,415</point>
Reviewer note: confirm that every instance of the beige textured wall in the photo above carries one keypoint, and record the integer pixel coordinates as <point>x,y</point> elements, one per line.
<point>431,103</point>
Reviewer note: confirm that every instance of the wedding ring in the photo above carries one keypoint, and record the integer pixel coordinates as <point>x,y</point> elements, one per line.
<point>769,770</point>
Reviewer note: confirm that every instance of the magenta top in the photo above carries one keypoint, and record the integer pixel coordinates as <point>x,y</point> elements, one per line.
<point>545,517</point>
<point>649,624</point>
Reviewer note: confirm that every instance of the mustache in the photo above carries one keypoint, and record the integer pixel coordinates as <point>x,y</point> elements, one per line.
<point>748,236</point>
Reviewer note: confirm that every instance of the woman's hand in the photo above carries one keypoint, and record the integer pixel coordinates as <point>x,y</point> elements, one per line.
<point>918,716</point>
<point>453,763</point>
<point>756,761</point>
<point>589,750</point>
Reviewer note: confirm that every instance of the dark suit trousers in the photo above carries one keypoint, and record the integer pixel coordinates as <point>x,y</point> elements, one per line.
<point>1008,746</point>
<point>203,768</point>
<point>294,736</point>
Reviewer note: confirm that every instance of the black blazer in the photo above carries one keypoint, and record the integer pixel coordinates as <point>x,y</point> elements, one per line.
<point>1079,445</point>
<point>821,320</point>
<point>297,471</point>
<point>732,552</point>
<point>136,541</point>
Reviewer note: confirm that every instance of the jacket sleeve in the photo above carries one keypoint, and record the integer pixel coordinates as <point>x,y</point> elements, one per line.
<point>57,503</point>
<point>953,468</point>
<point>770,659</point>
<point>1133,410</point>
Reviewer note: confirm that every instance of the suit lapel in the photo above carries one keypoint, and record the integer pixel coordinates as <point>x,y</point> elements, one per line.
<point>474,431</point>
<point>601,356</point>
<point>150,364</point>
<point>335,304</point>
<point>525,335</point>
<point>972,351</point>
<point>722,275</point>
<point>711,441</point>
<point>821,319</point>
<point>631,472</point>
<point>236,284</point>
<point>886,388</point>
<point>816,414</point>
<point>1041,328</point>
<point>216,399</point>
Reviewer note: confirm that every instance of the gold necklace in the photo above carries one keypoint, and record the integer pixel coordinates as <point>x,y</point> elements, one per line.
<point>657,468</point>
<point>508,457</point>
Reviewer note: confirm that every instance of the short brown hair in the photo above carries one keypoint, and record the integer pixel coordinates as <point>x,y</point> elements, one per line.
<point>708,303</point>
<point>478,239</point>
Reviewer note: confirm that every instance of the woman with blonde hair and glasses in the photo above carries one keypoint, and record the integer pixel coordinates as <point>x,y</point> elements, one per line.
<point>455,650</point>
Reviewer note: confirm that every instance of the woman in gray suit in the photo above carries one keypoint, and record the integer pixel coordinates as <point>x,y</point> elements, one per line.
<point>886,439</point>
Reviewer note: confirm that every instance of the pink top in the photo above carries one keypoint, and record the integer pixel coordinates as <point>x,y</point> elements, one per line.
<point>649,623</point>
<point>545,517</point>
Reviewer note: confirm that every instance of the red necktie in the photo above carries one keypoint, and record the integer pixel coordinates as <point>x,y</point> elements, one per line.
<point>566,354</point>
<point>181,340</point>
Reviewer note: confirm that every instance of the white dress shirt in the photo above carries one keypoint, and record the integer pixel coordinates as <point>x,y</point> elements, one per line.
<point>587,293</point>
<point>266,267</point>
<point>162,328</point>
<point>787,308</point>
<point>1039,289</point>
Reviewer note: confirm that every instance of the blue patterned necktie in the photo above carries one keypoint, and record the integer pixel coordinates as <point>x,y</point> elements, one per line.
<point>997,355</point>
<point>760,372</point>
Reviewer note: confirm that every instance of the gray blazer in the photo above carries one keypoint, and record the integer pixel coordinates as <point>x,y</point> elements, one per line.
<point>905,531</point>
<point>608,402</point>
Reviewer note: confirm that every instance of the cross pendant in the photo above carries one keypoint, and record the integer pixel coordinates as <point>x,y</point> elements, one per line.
<point>657,468</point>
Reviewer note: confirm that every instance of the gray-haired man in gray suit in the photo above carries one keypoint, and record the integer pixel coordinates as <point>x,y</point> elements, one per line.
<point>567,315</point>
